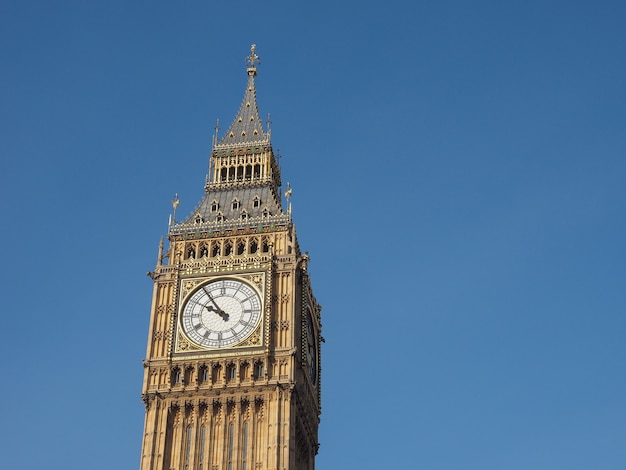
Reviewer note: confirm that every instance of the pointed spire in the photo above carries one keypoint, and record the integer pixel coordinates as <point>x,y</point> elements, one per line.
<point>247,128</point>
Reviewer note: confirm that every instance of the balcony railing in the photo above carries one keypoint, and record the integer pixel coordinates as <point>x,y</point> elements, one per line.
<point>228,224</point>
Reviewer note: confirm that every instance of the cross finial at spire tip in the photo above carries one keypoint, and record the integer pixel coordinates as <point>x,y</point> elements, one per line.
<point>252,60</point>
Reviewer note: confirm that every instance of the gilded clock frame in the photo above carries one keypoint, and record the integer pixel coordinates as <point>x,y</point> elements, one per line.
<point>258,338</point>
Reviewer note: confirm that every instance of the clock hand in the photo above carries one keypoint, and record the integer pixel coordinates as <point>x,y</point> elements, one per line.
<point>222,314</point>
<point>212,301</point>
<point>215,309</point>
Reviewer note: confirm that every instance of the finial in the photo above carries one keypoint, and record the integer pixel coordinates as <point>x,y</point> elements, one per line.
<point>175,204</point>
<point>217,130</point>
<point>268,122</point>
<point>252,59</point>
<point>305,260</point>
<point>288,197</point>
<point>160,256</point>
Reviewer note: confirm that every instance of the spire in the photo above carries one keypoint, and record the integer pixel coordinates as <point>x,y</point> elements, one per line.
<point>243,191</point>
<point>247,128</point>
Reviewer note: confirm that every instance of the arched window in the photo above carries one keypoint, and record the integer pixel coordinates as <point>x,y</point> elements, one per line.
<point>188,375</point>
<point>215,374</point>
<point>231,444</point>
<point>203,376</point>
<point>188,447</point>
<point>216,249</point>
<point>254,246</point>
<point>176,378</point>
<point>245,447</point>
<point>243,370</point>
<point>231,372</point>
<point>259,370</point>
<point>202,439</point>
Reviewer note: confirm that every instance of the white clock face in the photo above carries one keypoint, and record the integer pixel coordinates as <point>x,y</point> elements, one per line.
<point>221,313</point>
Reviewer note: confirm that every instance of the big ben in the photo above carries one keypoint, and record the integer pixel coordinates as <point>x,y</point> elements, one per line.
<point>232,368</point>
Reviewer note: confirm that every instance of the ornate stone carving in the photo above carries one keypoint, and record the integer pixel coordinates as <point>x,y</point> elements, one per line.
<point>184,345</point>
<point>162,334</point>
<point>258,280</point>
<point>188,286</point>
<point>253,340</point>
<point>280,325</point>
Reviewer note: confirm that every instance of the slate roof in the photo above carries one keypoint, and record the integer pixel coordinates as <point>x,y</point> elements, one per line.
<point>245,197</point>
<point>247,127</point>
<point>207,218</point>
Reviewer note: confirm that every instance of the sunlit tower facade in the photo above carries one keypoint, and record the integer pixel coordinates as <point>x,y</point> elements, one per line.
<point>232,368</point>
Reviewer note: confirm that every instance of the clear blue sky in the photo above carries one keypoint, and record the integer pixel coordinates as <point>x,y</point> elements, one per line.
<point>458,172</point>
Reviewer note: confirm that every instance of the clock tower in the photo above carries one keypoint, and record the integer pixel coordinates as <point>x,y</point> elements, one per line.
<point>232,368</point>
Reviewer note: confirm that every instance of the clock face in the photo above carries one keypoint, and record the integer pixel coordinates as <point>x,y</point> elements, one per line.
<point>221,313</point>
<point>311,352</point>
